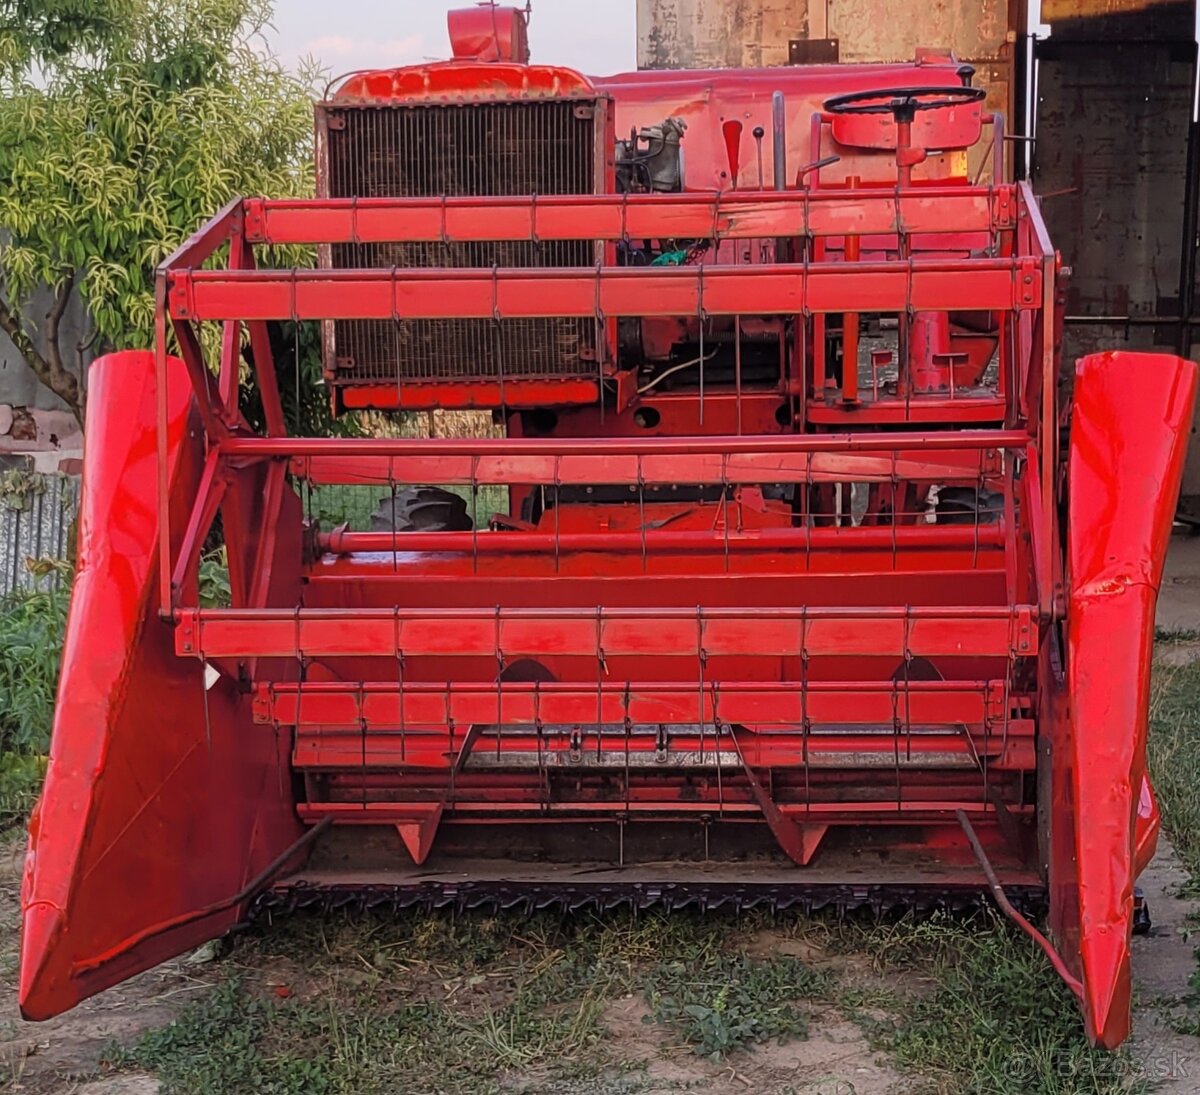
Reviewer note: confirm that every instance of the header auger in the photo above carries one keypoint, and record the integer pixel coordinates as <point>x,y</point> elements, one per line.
<point>779,587</point>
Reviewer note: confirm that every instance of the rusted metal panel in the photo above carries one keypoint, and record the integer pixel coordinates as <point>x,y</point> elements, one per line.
<point>720,33</point>
<point>1110,156</point>
<point>975,30</point>
<point>813,51</point>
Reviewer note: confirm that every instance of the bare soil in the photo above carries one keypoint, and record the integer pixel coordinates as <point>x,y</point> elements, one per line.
<point>834,1059</point>
<point>63,1055</point>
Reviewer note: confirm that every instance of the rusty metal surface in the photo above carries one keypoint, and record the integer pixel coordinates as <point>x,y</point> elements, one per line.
<point>721,33</point>
<point>1112,134</point>
<point>813,51</point>
<point>1115,101</point>
<point>1053,10</point>
<point>1103,14</point>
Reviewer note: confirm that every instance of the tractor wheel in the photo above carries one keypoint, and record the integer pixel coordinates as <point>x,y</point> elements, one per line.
<point>422,509</point>
<point>968,506</point>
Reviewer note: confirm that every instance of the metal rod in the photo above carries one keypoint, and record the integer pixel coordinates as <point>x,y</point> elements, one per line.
<point>196,617</point>
<point>1006,907</point>
<point>620,446</point>
<point>340,542</point>
<point>1187,321</point>
<point>607,216</point>
<point>778,141</point>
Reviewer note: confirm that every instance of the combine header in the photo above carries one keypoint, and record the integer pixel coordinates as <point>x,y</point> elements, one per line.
<point>782,585</point>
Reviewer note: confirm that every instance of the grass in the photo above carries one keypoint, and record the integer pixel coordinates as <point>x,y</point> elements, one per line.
<point>31,631</point>
<point>1174,745</point>
<point>421,1003</point>
<point>429,1003</point>
<point>1170,636</point>
<point>995,1019</point>
<point>724,1002</point>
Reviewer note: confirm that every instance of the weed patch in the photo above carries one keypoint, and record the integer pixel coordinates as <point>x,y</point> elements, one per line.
<point>1174,756</point>
<point>474,1004</point>
<point>31,634</point>
<point>730,1001</point>
<point>996,1019</point>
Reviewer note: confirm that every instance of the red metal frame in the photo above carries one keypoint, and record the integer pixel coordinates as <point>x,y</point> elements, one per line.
<point>741,597</point>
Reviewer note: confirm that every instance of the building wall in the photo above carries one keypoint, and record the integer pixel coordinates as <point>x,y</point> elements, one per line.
<point>750,33</point>
<point>753,33</point>
<point>32,418</point>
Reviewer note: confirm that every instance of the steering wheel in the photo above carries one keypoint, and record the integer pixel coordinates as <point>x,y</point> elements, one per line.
<point>902,103</point>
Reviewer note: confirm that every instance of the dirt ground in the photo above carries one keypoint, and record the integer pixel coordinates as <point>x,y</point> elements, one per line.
<point>1163,963</point>
<point>833,1060</point>
<point>1179,598</point>
<point>63,1056</point>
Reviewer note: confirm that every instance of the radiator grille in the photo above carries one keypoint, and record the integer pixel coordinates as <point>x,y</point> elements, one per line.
<point>519,148</point>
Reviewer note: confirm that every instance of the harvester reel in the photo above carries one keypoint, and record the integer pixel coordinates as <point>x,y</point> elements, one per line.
<point>682,665</point>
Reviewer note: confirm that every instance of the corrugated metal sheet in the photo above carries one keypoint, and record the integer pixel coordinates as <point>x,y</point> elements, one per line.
<point>37,515</point>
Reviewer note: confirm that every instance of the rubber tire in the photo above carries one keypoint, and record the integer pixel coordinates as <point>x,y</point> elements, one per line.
<point>968,506</point>
<point>422,509</point>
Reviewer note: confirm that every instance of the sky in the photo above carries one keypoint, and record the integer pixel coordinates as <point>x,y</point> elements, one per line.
<point>596,36</point>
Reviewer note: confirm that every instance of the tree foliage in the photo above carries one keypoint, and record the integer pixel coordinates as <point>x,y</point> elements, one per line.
<point>124,125</point>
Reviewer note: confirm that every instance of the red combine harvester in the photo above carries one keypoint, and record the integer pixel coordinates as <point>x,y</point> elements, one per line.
<point>782,586</point>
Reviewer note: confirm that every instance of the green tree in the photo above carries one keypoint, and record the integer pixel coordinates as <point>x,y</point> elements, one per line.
<point>124,125</point>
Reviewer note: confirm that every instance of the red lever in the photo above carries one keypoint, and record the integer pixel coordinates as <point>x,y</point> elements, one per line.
<point>733,147</point>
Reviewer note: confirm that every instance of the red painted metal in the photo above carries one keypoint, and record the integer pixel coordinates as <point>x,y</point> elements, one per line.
<point>719,215</point>
<point>462,81</point>
<point>507,294</point>
<point>1125,466</point>
<point>148,771</point>
<point>788,552</point>
<point>488,33</point>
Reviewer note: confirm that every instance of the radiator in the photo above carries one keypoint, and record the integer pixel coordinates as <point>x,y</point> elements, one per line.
<point>519,148</point>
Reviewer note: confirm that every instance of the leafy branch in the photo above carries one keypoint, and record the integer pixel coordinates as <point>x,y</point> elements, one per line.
<point>147,117</point>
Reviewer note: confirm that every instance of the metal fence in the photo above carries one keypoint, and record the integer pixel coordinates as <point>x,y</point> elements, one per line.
<point>37,528</point>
